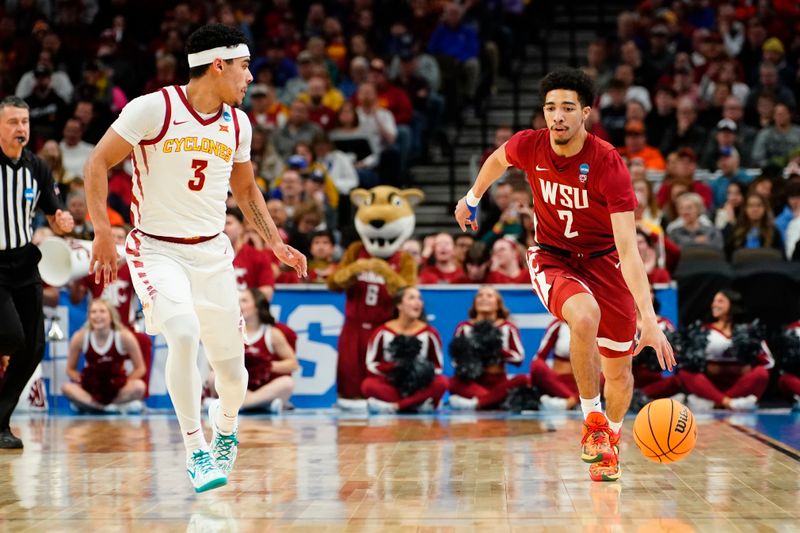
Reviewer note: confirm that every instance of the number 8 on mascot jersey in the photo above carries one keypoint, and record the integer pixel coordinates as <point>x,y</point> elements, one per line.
<point>371,271</point>
<point>182,166</point>
<point>573,199</point>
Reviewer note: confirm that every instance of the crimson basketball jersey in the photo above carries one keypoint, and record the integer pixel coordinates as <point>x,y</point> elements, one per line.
<point>112,352</point>
<point>573,197</point>
<point>368,301</point>
<point>513,350</point>
<point>182,162</point>
<point>119,293</point>
<point>253,268</point>
<point>379,358</point>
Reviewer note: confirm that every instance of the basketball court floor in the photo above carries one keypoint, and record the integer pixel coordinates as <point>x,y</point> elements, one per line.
<point>320,471</point>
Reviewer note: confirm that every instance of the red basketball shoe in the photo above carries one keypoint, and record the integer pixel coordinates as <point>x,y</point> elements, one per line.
<point>596,439</point>
<point>608,469</point>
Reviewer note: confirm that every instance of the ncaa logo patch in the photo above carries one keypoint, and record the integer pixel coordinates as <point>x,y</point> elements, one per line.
<point>584,170</point>
<point>28,194</point>
<point>227,116</point>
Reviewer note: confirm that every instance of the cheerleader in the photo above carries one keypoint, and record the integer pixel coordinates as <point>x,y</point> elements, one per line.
<point>722,374</point>
<point>268,356</point>
<point>404,360</point>
<point>488,316</point>
<point>789,381</point>
<point>557,383</point>
<point>104,384</point>
<point>648,380</point>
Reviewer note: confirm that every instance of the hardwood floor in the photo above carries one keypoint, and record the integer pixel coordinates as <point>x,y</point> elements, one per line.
<point>320,472</point>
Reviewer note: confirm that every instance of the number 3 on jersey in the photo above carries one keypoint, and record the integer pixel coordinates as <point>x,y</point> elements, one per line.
<point>566,214</point>
<point>196,183</point>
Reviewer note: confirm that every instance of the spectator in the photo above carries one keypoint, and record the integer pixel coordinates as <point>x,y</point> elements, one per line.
<point>445,268</point>
<point>397,101</point>
<point>687,133</point>
<point>362,147</point>
<point>253,267</point>
<point>769,83</point>
<point>614,111</point>
<point>266,110</point>
<point>755,227</point>
<point>341,171</point>
<point>791,211</point>
<point>723,380</point>
<point>728,213</point>
<point>76,204</point>
<point>166,74</point>
<point>463,242</point>
<point>649,255</point>
<point>624,73</point>
<point>297,84</point>
<point>47,109</point>
<point>510,223</point>
<point>662,117</point>
<point>476,263</point>
<point>74,150</point>
<point>289,191</point>
<point>491,388</point>
<point>681,167</point>
<point>59,80</point>
<point>729,171</point>
<point>309,217</point>
<point>322,93</point>
<point>103,385</point>
<point>277,210</point>
<point>456,46</point>
<point>267,164</point>
<point>636,147</point>
<point>745,134</point>
<point>597,60</point>
<point>297,129</point>
<point>359,71</point>
<point>750,55</point>
<point>413,248</point>
<point>692,226</point>
<point>501,135</point>
<point>379,125</point>
<point>724,137</point>
<point>651,214</point>
<point>51,154</point>
<point>644,74</point>
<point>93,120</point>
<point>634,111</point>
<point>312,170</point>
<point>658,58</point>
<point>712,110</point>
<point>732,30</point>
<point>723,73</point>
<point>316,46</point>
<point>765,109</point>
<point>773,53</point>
<point>506,264</point>
<point>774,144</point>
<point>384,384</point>
<point>321,263</point>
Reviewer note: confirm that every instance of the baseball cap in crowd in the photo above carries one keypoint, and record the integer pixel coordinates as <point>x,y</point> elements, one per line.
<point>773,44</point>
<point>406,54</point>
<point>41,71</point>
<point>317,175</point>
<point>688,153</point>
<point>258,89</point>
<point>297,162</point>
<point>727,151</point>
<point>634,127</point>
<point>305,57</point>
<point>659,29</point>
<point>727,124</point>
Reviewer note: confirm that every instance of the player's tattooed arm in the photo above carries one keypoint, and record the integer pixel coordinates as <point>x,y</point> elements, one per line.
<point>260,222</point>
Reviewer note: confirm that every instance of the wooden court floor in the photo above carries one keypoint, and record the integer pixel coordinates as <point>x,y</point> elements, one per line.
<point>321,472</point>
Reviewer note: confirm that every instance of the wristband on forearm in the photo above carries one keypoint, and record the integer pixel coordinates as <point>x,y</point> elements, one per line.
<point>472,202</point>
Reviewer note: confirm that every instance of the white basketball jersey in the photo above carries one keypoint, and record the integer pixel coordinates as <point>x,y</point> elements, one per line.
<point>181,175</point>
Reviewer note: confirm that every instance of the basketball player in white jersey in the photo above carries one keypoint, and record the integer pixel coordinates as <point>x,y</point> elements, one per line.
<point>189,144</point>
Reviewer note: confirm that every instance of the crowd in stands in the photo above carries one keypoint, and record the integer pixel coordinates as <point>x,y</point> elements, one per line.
<point>348,95</point>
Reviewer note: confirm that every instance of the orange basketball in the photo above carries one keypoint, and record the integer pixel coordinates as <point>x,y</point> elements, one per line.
<point>665,431</point>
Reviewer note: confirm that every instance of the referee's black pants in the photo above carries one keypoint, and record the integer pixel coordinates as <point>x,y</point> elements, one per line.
<point>21,325</point>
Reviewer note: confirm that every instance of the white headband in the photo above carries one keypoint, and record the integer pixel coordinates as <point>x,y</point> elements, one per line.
<point>222,52</point>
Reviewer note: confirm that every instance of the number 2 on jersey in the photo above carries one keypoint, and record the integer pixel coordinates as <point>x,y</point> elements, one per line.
<point>199,179</point>
<point>566,214</point>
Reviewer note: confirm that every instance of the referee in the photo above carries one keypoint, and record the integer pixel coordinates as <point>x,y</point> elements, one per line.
<point>25,185</point>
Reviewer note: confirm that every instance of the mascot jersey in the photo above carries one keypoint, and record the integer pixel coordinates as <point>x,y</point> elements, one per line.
<point>368,301</point>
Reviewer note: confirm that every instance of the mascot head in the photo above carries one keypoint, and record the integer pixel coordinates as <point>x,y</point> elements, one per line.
<point>385,217</point>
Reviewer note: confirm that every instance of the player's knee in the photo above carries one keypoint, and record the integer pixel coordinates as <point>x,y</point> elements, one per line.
<point>586,324</point>
<point>182,333</point>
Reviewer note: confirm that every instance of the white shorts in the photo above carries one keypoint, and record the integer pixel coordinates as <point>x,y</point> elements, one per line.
<point>173,279</point>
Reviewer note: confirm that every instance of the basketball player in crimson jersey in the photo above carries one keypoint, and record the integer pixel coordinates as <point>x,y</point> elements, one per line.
<point>585,267</point>
<point>189,145</point>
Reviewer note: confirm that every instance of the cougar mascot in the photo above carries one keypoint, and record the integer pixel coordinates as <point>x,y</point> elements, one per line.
<point>370,272</point>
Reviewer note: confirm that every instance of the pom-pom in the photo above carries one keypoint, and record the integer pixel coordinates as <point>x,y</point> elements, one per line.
<point>692,343</point>
<point>488,342</point>
<point>467,361</point>
<point>523,399</point>
<point>746,342</point>
<point>790,360</point>
<point>410,373</point>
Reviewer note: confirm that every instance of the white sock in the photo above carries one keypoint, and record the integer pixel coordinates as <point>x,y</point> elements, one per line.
<point>194,440</point>
<point>615,426</point>
<point>592,405</point>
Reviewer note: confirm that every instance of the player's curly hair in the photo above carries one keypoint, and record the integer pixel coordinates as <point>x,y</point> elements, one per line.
<point>212,36</point>
<point>571,79</point>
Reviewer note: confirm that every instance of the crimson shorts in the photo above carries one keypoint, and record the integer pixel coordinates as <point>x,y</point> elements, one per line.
<point>555,279</point>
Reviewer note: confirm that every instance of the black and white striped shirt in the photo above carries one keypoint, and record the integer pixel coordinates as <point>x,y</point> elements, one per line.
<point>25,185</point>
